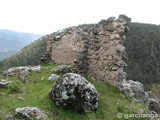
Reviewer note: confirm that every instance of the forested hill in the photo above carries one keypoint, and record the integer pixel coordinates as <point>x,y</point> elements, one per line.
<point>142,46</point>
<point>143,49</point>
<point>12,41</point>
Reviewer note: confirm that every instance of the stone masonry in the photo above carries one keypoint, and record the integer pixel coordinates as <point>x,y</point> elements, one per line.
<point>96,50</point>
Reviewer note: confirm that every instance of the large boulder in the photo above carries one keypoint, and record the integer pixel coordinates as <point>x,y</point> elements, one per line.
<point>30,113</point>
<point>72,91</point>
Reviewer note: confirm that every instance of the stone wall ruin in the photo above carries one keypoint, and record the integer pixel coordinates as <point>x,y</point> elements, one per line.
<point>96,51</point>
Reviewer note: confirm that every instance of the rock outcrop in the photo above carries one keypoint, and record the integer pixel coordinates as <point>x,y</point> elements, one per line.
<point>24,70</point>
<point>72,91</point>
<point>134,89</point>
<point>97,51</point>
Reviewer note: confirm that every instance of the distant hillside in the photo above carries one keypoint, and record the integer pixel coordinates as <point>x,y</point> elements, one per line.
<point>142,46</point>
<point>12,41</point>
<point>29,55</point>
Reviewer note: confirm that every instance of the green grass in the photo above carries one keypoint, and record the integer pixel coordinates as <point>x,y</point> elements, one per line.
<point>35,94</point>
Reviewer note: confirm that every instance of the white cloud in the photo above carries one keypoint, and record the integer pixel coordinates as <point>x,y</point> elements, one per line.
<point>46,16</point>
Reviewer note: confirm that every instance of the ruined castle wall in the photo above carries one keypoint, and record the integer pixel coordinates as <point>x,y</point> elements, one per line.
<point>107,60</point>
<point>98,53</point>
<point>64,48</point>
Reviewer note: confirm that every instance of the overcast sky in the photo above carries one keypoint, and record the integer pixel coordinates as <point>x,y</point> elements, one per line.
<point>47,16</point>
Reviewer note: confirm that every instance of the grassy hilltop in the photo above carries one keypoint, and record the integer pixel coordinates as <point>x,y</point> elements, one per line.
<point>34,93</point>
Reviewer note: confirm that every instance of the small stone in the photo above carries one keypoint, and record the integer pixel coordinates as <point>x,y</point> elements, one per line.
<point>4,83</point>
<point>62,69</point>
<point>21,98</point>
<point>36,68</point>
<point>30,113</point>
<point>53,77</point>
<point>9,117</point>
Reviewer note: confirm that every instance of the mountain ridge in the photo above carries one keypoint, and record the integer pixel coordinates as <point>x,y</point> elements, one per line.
<point>12,41</point>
